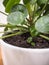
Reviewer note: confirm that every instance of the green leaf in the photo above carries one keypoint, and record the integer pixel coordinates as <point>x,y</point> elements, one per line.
<point>21,8</point>
<point>5,2</point>
<point>29,40</point>
<point>15,18</point>
<point>30,5</point>
<point>41,1</point>
<point>10,4</point>
<point>32,43</point>
<point>42,24</point>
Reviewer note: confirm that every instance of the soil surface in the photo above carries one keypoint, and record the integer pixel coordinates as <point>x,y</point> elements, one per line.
<point>20,41</point>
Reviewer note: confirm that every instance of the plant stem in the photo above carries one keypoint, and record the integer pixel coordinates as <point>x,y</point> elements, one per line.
<point>43,8</point>
<point>4,25</point>
<point>10,35</point>
<point>42,11</point>
<point>9,31</point>
<point>5,31</point>
<point>45,37</point>
<point>3,13</point>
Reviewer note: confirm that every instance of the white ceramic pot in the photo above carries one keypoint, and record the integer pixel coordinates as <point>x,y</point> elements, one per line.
<point>13,55</point>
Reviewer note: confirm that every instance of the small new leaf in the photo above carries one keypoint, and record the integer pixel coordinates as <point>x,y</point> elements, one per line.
<point>32,43</point>
<point>29,40</point>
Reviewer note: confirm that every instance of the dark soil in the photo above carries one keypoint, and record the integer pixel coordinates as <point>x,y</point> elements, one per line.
<point>20,41</point>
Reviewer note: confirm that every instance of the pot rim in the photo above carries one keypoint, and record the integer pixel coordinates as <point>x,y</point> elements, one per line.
<point>23,49</point>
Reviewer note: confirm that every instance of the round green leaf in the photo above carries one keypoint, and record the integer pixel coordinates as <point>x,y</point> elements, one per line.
<point>20,8</point>
<point>42,24</point>
<point>15,18</point>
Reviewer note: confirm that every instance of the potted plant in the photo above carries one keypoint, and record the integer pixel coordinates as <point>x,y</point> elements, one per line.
<point>26,35</point>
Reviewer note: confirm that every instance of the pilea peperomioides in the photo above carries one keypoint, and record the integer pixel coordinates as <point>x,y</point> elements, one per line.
<point>32,16</point>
